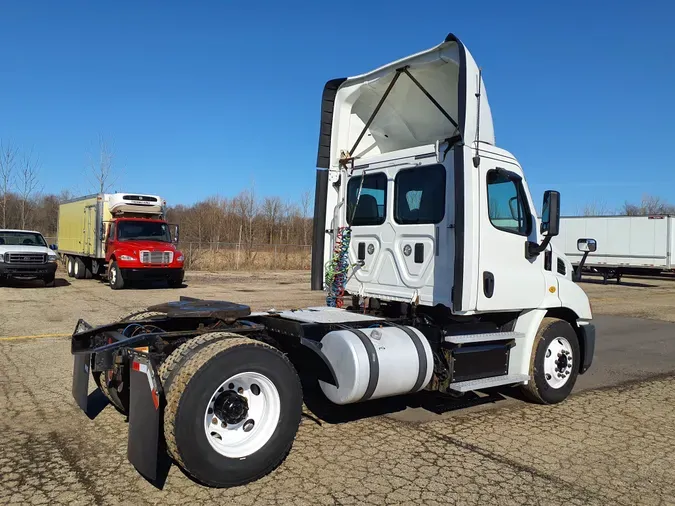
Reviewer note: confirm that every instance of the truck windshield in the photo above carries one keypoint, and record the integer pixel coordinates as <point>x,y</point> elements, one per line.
<point>143,231</point>
<point>21,238</point>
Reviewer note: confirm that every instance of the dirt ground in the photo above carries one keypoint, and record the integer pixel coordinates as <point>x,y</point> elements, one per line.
<point>641,297</point>
<point>26,308</point>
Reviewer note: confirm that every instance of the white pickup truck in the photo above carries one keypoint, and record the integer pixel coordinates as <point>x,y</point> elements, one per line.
<point>24,254</point>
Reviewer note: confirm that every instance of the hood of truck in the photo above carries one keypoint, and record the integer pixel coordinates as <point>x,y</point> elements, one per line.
<point>146,246</point>
<point>407,118</point>
<point>23,248</point>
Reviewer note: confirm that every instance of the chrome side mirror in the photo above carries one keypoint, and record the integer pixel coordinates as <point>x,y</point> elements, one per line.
<point>587,245</point>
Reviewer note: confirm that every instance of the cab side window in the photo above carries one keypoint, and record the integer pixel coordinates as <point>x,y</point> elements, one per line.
<point>507,206</point>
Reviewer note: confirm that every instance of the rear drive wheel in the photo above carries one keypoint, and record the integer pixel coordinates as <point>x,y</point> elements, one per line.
<point>79,269</point>
<point>115,279</point>
<point>232,411</point>
<point>70,267</point>
<point>554,366</point>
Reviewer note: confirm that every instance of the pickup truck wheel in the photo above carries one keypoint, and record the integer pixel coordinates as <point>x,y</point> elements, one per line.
<point>70,268</point>
<point>49,279</point>
<point>232,411</point>
<point>554,366</point>
<point>115,279</point>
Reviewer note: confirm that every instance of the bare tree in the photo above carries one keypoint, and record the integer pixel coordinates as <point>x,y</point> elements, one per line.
<point>650,204</point>
<point>271,210</point>
<point>305,200</point>
<point>596,208</point>
<point>28,184</point>
<point>101,167</point>
<point>8,155</point>
<point>246,210</point>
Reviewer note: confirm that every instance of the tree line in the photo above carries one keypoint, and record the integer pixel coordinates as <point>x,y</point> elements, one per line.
<point>648,205</point>
<point>244,220</point>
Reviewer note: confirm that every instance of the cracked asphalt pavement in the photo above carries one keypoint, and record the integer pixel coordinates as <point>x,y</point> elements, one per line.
<point>608,446</point>
<point>612,442</point>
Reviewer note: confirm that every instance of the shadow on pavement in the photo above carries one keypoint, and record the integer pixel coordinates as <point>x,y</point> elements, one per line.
<point>325,411</point>
<point>33,283</point>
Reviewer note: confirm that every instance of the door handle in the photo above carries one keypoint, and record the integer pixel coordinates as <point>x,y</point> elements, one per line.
<point>419,253</point>
<point>488,284</point>
<point>362,251</point>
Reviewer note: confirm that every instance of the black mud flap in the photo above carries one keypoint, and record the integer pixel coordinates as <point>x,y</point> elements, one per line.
<point>144,413</point>
<point>81,370</point>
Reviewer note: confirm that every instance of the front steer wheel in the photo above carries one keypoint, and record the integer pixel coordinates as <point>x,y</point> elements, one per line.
<point>554,366</point>
<point>233,408</point>
<point>115,279</point>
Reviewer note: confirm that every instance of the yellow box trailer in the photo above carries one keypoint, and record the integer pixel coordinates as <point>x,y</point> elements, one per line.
<point>81,226</point>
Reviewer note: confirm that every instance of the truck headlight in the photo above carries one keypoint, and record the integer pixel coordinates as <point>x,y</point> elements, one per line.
<point>180,258</point>
<point>51,258</point>
<point>127,258</point>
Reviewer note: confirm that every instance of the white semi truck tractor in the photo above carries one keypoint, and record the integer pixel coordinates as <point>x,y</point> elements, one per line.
<point>438,274</point>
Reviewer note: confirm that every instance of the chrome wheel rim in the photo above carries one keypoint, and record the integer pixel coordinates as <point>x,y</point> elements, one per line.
<point>558,362</point>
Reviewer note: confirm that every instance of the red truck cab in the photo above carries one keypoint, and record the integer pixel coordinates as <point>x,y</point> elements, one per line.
<point>138,248</point>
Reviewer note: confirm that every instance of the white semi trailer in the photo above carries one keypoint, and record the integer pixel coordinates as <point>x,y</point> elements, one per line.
<point>625,244</point>
<point>438,274</point>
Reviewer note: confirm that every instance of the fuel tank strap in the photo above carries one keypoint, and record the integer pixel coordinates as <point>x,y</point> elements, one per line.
<point>421,356</point>
<point>374,364</point>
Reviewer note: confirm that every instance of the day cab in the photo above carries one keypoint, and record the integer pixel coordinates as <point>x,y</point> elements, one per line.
<point>440,219</point>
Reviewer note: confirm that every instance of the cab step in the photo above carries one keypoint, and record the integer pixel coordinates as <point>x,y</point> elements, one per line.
<point>495,381</point>
<point>483,338</point>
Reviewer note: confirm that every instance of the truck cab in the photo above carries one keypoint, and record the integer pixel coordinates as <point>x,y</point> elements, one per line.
<point>139,249</point>
<point>419,211</point>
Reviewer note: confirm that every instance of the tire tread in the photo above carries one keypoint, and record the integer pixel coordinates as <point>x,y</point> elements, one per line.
<point>530,390</point>
<point>180,377</point>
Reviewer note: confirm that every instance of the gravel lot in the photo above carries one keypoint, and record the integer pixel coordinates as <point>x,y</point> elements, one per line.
<point>612,445</point>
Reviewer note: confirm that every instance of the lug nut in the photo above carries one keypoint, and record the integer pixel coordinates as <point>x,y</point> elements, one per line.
<point>214,421</point>
<point>223,425</point>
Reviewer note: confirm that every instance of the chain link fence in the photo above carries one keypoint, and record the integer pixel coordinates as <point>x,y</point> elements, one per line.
<point>219,256</point>
<point>225,256</point>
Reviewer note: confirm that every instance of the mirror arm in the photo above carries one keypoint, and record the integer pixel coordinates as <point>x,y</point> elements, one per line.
<point>532,249</point>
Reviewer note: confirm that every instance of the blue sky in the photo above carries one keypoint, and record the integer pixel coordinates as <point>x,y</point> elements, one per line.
<point>204,98</point>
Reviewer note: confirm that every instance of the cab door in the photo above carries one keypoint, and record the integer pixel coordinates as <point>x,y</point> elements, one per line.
<point>507,278</point>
